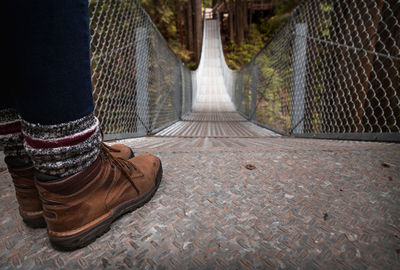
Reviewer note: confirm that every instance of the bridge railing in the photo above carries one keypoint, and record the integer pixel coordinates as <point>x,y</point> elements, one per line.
<point>139,84</point>
<point>229,75</point>
<point>333,71</point>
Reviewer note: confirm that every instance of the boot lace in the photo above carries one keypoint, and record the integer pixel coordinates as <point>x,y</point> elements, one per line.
<point>124,165</point>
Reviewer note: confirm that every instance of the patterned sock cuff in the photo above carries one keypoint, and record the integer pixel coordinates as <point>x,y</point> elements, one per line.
<point>8,115</point>
<point>11,138</point>
<point>63,149</point>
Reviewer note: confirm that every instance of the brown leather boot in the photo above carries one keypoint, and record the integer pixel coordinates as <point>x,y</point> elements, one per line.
<point>82,207</point>
<point>30,205</point>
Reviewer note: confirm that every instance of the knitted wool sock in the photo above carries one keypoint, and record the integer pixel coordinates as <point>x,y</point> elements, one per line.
<point>63,149</point>
<point>11,138</point>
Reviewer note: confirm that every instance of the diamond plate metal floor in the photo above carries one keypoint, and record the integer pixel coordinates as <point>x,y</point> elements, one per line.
<point>216,125</point>
<point>308,204</point>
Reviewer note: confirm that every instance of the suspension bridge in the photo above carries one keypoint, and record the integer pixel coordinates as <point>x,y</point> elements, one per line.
<point>254,174</point>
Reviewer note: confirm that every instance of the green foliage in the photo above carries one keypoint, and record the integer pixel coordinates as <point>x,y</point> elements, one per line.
<point>269,26</point>
<point>285,6</point>
<point>184,54</point>
<point>273,89</point>
<point>239,55</point>
<point>163,14</point>
<point>261,32</point>
<point>207,3</point>
<point>324,26</point>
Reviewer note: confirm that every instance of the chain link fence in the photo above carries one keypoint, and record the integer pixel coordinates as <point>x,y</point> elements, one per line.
<point>332,71</point>
<point>139,84</point>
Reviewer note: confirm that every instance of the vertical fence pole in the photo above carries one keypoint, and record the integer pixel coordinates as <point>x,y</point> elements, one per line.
<point>299,77</point>
<point>194,86</point>
<point>177,92</point>
<point>254,82</point>
<point>184,94</point>
<point>239,92</point>
<point>142,81</point>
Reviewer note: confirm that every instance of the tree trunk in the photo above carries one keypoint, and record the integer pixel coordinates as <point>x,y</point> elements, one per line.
<point>354,101</point>
<point>231,21</point>
<point>250,21</point>
<point>179,21</point>
<point>245,15</point>
<point>196,5</point>
<point>239,22</point>
<point>385,82</point>
<point>189,26</point>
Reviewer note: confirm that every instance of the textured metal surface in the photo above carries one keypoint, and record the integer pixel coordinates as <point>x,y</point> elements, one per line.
<point>308,204</point>
<point>214,117</point>
<point>333,68</point>
<point>211,93</point>
<point>220,124</point>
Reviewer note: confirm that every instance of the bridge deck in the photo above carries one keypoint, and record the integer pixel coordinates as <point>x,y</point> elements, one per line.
<point>211,94</point>
<point>217,125</point>
<point>308,204</point>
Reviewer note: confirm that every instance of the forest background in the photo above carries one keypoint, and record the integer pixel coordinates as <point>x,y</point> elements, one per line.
<point>244,29</point>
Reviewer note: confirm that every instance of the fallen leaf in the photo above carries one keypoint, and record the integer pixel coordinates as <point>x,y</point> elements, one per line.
<point>385,165</point>
<point>250,166</point>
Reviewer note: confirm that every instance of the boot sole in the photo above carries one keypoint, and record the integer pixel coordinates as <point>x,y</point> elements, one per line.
<point>87,236</point>
<point>33,219</point>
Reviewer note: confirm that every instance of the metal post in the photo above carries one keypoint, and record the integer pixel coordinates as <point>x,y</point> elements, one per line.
<point>142,81</point>
<point>177,92</point>
<point>239,92</point>
<point>194,86</point>
<point>299,77</point>
<point>254,90</point>
<point>184,98</point>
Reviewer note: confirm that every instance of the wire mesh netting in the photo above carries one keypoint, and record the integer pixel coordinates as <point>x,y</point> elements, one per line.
<point>138,82</point>
<point>332,71</point>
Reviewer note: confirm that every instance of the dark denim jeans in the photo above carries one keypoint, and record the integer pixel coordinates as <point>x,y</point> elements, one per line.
<point>47,57</point>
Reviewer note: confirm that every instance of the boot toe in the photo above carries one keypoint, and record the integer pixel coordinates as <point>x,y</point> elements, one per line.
<point>148,164</point>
